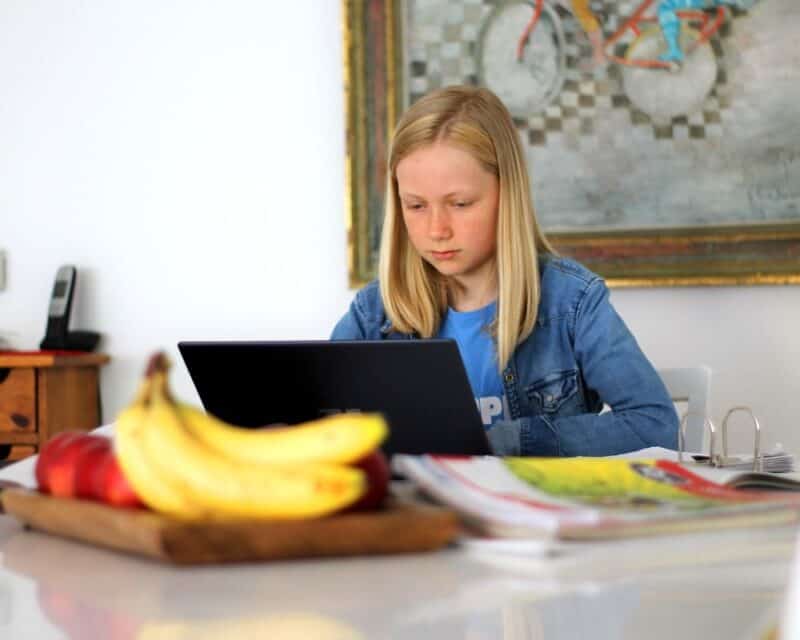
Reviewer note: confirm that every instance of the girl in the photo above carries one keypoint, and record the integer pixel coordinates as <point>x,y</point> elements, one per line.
<point>463,257</point>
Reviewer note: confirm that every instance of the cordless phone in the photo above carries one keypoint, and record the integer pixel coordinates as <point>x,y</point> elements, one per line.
<point>60,308</point>
<point>57,335</point>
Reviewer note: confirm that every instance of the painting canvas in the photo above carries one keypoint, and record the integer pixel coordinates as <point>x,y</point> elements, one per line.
<point>669,154</point>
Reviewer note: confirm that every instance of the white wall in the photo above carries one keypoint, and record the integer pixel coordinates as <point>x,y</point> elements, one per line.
<point>188,157</point>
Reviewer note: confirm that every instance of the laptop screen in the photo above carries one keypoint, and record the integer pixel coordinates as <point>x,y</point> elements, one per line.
<point>420,386</point>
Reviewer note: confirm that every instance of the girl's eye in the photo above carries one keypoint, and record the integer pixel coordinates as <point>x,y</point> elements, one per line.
<point>461,204</point>
<point>413,206</point>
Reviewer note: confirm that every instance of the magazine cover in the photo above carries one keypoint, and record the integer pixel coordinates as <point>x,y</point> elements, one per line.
<point>576,498</point>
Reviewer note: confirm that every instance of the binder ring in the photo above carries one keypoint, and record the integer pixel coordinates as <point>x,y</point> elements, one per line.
<point>682,435</point>
<point>758,461</point>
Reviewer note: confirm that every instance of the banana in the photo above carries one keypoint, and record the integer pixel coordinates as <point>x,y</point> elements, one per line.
<point>172,456</point>
<point>342,438</point>
<point>220,487</point>
<point>128,432</point>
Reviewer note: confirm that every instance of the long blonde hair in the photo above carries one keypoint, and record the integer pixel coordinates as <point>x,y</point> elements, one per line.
<point>414,294</point>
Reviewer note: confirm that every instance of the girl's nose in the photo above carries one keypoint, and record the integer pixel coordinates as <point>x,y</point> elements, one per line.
<point>439,228</point>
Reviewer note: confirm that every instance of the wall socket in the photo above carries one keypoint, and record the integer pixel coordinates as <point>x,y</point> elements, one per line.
<point>2,269</point>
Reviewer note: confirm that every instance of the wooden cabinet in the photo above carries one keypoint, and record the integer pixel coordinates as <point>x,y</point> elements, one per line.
<point>44,393</point>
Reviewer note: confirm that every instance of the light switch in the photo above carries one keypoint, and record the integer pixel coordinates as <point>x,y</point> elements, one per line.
<point>2,270</point>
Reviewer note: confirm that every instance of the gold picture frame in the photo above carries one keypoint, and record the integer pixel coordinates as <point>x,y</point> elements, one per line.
<point>755,252</point>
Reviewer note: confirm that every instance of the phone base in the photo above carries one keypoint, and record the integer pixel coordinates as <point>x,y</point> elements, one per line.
<point>72,341</point>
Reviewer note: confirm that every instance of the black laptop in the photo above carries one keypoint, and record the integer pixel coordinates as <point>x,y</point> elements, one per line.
<point>420,386</point>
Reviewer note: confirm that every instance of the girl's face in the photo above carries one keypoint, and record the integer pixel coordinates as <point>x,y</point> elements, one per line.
<point>449,203</point>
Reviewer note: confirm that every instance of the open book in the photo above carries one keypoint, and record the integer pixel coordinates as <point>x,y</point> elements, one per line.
<point>592,498</point>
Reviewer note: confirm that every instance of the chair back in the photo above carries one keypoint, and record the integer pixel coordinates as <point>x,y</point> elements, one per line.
<point>690,386</point>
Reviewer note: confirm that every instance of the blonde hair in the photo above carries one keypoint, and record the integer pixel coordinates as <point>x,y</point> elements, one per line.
<point>414,294</point>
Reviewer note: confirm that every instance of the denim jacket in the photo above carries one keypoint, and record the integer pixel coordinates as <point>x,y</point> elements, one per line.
<point>580,356</point>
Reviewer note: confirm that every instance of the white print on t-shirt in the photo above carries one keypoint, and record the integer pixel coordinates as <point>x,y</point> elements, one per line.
<point>491,407</point>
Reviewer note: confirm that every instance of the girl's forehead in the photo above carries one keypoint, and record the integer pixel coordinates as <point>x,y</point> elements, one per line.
<point>440,158</point>
<point>434,173</point>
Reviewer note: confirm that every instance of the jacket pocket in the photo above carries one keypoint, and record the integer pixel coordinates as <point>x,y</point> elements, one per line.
<point>555,393</point>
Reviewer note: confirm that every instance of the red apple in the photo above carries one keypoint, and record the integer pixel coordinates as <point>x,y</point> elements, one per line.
<point>376,467</point>
<point>112,487</point>
<point>63,464</point>
<point>75,464</point>
<point>46,454</point>
<point>87,468</point>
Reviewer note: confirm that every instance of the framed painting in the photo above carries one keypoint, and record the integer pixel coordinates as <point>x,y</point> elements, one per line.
<point>663,143</point>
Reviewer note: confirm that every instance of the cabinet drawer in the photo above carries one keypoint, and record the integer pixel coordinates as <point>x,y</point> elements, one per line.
<point>18,400</point>
<point>9,453</point>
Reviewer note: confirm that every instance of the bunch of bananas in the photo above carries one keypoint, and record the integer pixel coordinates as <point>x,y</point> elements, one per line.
<point>185,463</point>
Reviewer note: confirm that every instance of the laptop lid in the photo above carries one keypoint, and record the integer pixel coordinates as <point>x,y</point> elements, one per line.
<point>420,386</point>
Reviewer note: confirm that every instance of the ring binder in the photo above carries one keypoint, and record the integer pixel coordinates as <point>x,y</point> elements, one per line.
<point>758,461</point>
<point>723,460</point>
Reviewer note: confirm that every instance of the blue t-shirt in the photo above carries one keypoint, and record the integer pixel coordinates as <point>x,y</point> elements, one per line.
<point>470,330</point>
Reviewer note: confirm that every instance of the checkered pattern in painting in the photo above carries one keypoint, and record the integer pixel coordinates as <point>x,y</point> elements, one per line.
<point>442,44</point>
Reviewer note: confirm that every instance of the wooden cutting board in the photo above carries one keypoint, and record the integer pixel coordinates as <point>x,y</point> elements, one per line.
<point>399,528</point>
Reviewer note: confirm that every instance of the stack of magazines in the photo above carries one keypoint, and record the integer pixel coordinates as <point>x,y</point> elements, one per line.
<point>597,498</point>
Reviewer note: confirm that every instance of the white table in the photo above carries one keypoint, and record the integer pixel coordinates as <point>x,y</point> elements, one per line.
<point>53,588</point>
<point>726,585</point>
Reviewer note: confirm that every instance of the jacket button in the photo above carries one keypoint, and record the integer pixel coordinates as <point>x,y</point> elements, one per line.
<point>509,377</point>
